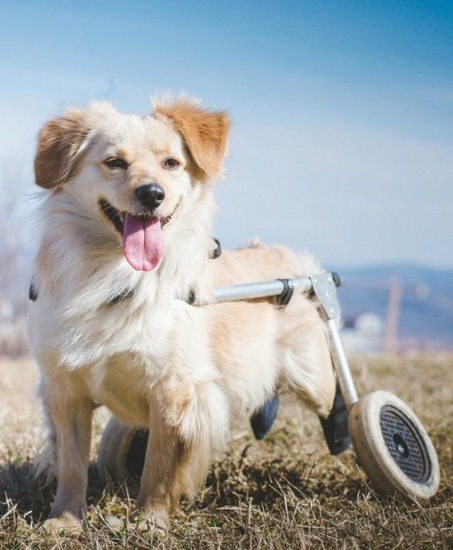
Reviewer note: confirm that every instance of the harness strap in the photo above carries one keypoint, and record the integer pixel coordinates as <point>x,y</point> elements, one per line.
<point>191,297</point>
<point>129,292</point>
<point>217,250</point>
<point>32,291</point>
<point>123,295</point>
<point>213,255</point>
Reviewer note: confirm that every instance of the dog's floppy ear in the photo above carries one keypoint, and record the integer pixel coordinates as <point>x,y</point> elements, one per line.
<point>204,132</point>
<point>61,142</point>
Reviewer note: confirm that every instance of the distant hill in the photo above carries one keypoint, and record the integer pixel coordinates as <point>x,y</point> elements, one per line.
<point>426,305</point>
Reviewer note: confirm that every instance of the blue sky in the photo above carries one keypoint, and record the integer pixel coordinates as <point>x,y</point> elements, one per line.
<point>342,111</point>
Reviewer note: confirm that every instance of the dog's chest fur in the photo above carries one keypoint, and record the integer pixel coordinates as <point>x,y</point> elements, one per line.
<point>116,329</point>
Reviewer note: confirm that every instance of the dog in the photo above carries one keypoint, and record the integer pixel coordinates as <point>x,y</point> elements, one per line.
<point>126,245</point>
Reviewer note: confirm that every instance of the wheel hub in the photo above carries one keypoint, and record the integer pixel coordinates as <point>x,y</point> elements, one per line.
<point>405,446</point>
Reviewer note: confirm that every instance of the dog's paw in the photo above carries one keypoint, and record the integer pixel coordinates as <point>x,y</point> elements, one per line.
<point>155,522</point>
<point>67,522</point>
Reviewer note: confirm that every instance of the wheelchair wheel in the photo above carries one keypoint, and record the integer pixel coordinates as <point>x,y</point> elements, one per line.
<point>392,446</point>
<point>121,454</point>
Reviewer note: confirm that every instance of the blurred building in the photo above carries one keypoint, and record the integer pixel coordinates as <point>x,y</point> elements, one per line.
<point>363,333</point>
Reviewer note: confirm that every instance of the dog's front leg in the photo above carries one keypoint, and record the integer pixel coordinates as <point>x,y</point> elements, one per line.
<point>70,417</point>
<point>188,423</point>
<point>156,498</point>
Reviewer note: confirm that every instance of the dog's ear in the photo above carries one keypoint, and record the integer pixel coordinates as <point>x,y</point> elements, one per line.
<point>204,132</point>
<point>61,142</point>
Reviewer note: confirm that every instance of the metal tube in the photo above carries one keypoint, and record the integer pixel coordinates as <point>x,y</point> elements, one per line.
<point>264,289</point>
<point>344,376</point>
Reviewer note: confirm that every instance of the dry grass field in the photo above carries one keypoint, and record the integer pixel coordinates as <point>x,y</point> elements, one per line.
<point>284,493</point>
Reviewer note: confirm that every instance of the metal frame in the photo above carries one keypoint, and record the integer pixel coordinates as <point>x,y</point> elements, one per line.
<point>323,287</point>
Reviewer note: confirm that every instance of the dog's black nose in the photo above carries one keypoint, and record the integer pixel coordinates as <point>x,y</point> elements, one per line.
<point>150,195</point>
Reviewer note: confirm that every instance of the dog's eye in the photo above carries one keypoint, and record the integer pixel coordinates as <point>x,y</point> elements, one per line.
<point>116,163</point>
<point>171,163</point>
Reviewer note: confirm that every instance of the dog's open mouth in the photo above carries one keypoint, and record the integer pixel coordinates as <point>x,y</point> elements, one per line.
<point>117,217</point>
<point>143,244</point>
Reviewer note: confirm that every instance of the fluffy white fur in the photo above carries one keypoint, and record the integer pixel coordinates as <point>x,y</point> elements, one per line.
<point>181,370</point>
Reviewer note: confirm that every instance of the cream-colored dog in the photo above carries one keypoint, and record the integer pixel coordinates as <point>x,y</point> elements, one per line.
<point>127,239</point>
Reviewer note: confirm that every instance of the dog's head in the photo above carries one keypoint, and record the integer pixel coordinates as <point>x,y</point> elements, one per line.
<point>133,173</point>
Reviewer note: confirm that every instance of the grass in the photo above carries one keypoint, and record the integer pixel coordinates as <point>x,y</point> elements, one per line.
<point>284,493</point>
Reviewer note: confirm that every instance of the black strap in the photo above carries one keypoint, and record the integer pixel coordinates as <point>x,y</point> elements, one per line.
<point>284,298</point>
<point>32,291</point>
<point>121,296</point>
<point>191,297</point>
<point>217,250</point>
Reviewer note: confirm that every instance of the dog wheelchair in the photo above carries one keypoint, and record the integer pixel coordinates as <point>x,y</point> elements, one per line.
<point>390,443</point>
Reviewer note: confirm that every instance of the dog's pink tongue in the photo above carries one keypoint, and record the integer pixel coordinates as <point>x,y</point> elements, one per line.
<point>143,245</point>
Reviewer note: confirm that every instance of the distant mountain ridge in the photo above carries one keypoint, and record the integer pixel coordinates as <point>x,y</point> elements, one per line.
<point>425,306</point>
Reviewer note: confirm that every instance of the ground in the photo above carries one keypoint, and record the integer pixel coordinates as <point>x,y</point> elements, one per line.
<point>286,492</point>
